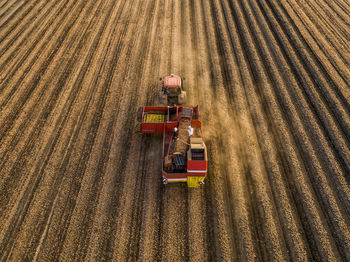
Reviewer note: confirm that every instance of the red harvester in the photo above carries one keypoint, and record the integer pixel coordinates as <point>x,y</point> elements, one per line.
<point>184,157</point>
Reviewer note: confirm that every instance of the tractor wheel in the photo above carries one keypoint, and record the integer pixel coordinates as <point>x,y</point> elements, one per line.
<point>182,98</point>
<point>160,96</point>
<point>163,99</point>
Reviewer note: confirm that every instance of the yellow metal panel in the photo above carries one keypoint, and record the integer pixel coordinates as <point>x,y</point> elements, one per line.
<point>193,181</point>
<point>172,181</point>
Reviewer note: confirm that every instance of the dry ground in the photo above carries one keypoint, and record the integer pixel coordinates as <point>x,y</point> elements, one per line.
<point>272,79</point>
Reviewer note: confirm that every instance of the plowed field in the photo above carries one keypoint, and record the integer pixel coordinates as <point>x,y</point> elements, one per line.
<point>272,80</point>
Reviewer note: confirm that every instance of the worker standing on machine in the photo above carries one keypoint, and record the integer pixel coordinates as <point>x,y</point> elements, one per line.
<point>190,130</point>
<point>175,132</point>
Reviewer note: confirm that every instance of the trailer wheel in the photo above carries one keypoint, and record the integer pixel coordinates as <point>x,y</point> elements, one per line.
<point>139,114</point>
<point>137,128</point>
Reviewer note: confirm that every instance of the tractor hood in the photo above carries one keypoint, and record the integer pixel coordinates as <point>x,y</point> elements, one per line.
<point>172,81</point>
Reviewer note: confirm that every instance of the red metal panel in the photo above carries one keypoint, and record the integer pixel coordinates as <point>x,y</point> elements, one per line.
<point>196,123</point>
<point>163,148</point>
<point>155,108</point>
<point>152,127</point>
<point>174,175</point>
<point>169,126</point>
<point>181,175</point>
<point>196,111</point>
<point>197,165</point>
<point>197,174</point>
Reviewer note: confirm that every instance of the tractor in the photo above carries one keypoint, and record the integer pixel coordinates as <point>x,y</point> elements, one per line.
<point>172,92</point>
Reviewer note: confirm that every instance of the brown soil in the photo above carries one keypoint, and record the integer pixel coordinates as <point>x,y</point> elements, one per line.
<point>272,80</point>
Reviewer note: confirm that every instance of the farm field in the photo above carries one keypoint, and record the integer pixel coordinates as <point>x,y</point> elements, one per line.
<point>272,80</point>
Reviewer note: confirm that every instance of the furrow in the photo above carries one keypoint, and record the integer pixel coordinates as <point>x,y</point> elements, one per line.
<point>12,48</point>
<point>128,221</point>
<point>336,92</point>
<point>18,69</point>
<point>6,3</point>
<point>253,57</point>
<point>96,165</point>
<point>212,104</point>
<point>10,141</point>
<point>32,182</point>
<point>15,27</point>
<point>29,128</point>
<point>328,18</point>
<point>320,47</point>
<point>324,192</point>
<point>274,163</point>
<point>199,241</point>
<point>141,244</point>
<point>28,82</point>
<point>254,183</point>
<point>103,165</point>
<point>341,8</point>
<point>73,165</point>
<point>10,12</point>
<point>325,120</point>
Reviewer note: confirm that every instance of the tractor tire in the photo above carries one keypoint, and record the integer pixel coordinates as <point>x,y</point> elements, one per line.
<point>182,98</point>
<point>160,95</point>
<point>163,99</point>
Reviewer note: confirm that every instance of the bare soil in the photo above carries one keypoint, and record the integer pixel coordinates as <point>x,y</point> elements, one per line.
<point>272,80</point>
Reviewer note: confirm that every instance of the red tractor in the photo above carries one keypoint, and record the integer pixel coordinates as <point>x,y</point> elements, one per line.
<point>172,92</point>
<point>184,157</point>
